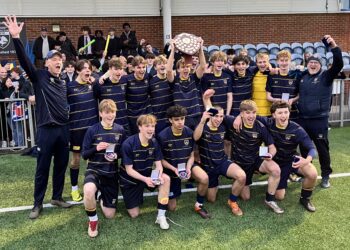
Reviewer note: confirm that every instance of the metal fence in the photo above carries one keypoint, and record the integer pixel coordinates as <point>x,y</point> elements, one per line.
<point>18,126</point>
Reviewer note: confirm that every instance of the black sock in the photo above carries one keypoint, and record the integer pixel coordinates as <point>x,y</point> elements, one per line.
<point>305,194</point>
<point>90,213</point>
<point>270,197</point>
<point>162,206</point>
<point>74,175</point>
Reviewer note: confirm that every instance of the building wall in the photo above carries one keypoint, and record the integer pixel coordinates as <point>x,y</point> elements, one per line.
<point>215,29</point>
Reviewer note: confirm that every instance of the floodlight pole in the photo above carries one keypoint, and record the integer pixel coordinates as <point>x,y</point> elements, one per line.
<point>166,12</point>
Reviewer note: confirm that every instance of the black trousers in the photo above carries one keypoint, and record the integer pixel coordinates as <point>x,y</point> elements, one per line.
<point>52,141</point>
<point>317,129</point>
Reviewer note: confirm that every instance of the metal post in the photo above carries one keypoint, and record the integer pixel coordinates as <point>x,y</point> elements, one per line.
<point>31,127</point>
<point>166,12</point>
<point>342,103</point>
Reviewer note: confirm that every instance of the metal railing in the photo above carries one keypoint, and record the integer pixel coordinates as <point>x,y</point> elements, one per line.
<point>18,123</point>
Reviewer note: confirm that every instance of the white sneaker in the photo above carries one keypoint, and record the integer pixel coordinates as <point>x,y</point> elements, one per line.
<point>274,206</point>
<point>4,144</point>
<point>12,143</point>
<point>161,220</point>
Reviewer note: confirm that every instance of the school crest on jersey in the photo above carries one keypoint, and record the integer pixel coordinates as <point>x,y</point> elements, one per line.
<point>315,80</point>
<point>132,84</point>
<point>109,90</point>
<point>146,81</point>
<point>117,137</point>
<point>222,135</point>
<point>290,82</point>
<point>255,135</point>
<point>212,84</point>
<point>150,151</point>
<point>122,87</point>
<point>288,137</point>
<point>99,138</point>
<point>170,145</point>
<point>157,86</point>
<point>186,142</point>
<point>225,81</point>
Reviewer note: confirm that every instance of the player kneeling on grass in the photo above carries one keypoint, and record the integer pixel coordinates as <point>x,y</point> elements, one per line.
<point>210,134</point>
<point>101,146</point>
<point>177,145</point>
<point>287,136</point>
<point>248,153</point>
<point>139,153</point>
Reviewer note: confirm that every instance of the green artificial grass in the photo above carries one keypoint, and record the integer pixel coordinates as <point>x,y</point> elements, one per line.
<point>259,228</point>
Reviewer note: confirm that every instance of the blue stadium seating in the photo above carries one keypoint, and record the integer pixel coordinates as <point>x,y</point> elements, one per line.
<point>346,58</point>
<point>273,59</point>
<point>285,46</point>
<point>274,48</point>
<point>308,47</point>
<point>320,48</point>
<point>262,48</point>
<point>297,59</point>
<point>213,48</point>
<point>225,47</point>
<point>329,57</point>
<point>297,48</point>
<point>237,48</point>
<point>251,49</point>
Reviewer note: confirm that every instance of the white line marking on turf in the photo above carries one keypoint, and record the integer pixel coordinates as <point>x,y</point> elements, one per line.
<point>186,190</point>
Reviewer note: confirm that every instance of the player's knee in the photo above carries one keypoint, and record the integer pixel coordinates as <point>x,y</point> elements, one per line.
<point>172,205</point>
<point>89,192</point>
<point>211,198</point>
<point>203,179</point>
<point>311,174</point>
<point>133,214</point>
<point>241,178</point>
<point>276,171</point>
<point>279,195</point>
<point>245,197</point>
<point>166,178</point>
<point>109,214</point>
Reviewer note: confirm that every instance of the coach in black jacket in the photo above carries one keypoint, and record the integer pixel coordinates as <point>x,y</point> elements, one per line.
<point>315,93</point>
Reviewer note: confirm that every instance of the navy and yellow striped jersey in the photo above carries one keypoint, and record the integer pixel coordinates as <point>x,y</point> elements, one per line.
<point>211,144</point>
<point>116,92</point>
<point>140,157</point>
<point>221,84</point>
<point>161,99</point>
<point>82,102</point>
<point>96,160</point>
<point>137,95</point>
<point>241,89</point>
<point>246,143</point>
<point>287,140</point>
<point>186,94</point>
<point>279,84</point>
<point>176,148</point>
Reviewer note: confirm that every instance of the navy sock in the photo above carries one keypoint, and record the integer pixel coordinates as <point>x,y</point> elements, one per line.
<point>200,198</point>
<point>74,175</point>
<point>233,197</point>
<point>270,197</point>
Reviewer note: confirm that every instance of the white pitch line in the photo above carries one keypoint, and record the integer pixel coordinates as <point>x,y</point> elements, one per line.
<point>186,190</point>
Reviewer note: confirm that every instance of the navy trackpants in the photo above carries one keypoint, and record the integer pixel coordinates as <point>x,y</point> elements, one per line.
<point>53,140</point>
<point>317,129</point>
